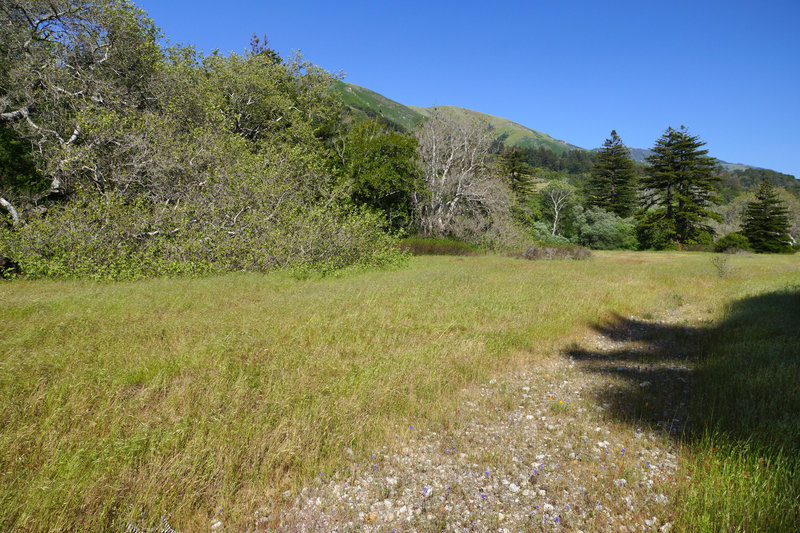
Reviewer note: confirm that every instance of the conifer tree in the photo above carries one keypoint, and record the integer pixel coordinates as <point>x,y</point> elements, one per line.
<point>613,178</point>
<point>678,191</point>
<point>766,221</point>
<point>515,169</point>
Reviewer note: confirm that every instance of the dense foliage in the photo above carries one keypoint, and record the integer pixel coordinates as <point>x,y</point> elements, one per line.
<point>377,168</point>
<point>733,241</point>
<point>612,182</point>
<point>165,161</point>
<point>678,191</point>
<point>766,222</point>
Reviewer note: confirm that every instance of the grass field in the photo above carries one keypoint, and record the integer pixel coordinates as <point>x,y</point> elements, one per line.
<point>125,402</point>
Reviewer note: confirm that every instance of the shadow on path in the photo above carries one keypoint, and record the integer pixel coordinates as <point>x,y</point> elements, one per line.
<point>739,378</point>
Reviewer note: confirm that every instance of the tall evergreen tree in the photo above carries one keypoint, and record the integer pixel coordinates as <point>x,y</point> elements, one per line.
<point>678,191</point>
<point>613,178</point>
<point>514,168</point>
<point>766,221</point>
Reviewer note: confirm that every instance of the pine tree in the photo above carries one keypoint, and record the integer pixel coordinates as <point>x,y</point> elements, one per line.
<point>678,191</point>
<point>766,221</point>
<point>613,178</point>
<point>514,168</point>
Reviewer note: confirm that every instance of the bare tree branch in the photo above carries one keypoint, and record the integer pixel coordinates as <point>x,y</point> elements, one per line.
<point>11,210</point>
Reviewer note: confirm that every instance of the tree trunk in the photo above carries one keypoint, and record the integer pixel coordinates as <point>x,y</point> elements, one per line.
<point>11,210</point>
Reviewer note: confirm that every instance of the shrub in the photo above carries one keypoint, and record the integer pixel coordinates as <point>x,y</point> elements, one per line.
<point>543,235</point>
<point>602,230</point>
<point>534,253</point>
<point>432,246</point>
<point>110,238</point>
<point>731,242</point>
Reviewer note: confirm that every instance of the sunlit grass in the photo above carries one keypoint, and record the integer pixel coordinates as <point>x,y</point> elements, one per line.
<point>180,398</point>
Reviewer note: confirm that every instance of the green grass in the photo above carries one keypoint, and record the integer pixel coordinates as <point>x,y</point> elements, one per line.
<point>745,466</point>
<point>130,401</point>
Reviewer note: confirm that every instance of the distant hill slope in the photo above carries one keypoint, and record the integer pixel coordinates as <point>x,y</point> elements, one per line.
<point>641,154</point>
<point>511,133</point>
<point>369,104</point>
<point>365,103</point>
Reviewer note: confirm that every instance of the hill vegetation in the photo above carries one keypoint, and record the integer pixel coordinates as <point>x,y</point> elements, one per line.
<point>367,104</point>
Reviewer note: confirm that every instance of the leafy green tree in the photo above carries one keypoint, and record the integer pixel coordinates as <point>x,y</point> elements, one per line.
<point>678,191</point>
<point>732,241</point>
<point>766,222</point>
<point>612,181</point>
<point>161,160</point>
<point>378,169</point>
<point>72,72</point>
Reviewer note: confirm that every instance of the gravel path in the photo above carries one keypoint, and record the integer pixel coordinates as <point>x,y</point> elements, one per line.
<point>581,443</point>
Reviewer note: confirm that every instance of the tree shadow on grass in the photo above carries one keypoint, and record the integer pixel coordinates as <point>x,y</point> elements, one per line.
<point>739,378</point>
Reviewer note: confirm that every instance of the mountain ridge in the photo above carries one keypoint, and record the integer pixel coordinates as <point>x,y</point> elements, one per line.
<point>366,103</point>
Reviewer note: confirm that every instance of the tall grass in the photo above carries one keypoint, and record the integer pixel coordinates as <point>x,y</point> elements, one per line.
<point>745,467</point>
<point>121,403</point>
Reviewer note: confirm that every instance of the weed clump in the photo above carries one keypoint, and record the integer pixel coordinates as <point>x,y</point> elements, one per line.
<point>535,253</point>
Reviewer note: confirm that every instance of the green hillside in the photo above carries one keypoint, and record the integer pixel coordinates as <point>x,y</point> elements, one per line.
<point>369,104</point>
<point>509,132</point>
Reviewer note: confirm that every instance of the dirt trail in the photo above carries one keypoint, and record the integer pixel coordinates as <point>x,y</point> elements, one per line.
<point>582,443</point>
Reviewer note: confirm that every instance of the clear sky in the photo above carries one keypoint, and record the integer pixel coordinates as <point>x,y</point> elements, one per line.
<point>728,70</point>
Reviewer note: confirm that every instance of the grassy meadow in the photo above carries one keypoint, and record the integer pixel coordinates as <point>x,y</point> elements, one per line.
<point>125,402</point>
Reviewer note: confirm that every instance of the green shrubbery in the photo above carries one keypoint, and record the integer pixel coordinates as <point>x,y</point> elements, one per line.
<point>184,163</point>
<point>433,246</point>
<point>601,230</point>
<point>111,239</point>
<point>732,242</point>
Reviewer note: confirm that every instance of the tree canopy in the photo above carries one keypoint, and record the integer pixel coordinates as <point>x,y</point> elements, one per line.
<point>766,222</point>
<point>612,181</point>
<point>677,191</point>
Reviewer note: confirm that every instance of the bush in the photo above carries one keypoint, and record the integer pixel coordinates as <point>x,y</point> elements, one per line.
<point>602,230</point>
<point>431,246</point>
<point>542,234</point>
<point>731,242</point>
<point>109,238</point>
<point>535,253</point>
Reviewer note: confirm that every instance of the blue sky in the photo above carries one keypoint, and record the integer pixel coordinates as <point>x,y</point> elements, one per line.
<point>729,71</point>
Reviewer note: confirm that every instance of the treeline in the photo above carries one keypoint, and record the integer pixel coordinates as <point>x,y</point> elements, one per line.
<point>123,158</point>
<point>677,200</point>
<point>736,182</point>
<point>570,162</point>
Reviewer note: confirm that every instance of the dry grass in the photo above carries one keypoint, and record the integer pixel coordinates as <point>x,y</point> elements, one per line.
<point>131,401</point>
